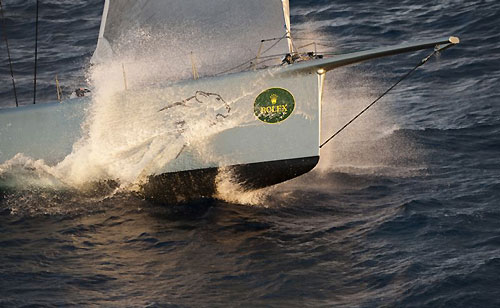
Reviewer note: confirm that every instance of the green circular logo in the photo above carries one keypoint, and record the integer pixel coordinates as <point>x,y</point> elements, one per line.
<point>274,105</point>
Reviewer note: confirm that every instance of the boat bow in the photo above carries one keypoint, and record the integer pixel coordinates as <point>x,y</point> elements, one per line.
<point>356,57</point>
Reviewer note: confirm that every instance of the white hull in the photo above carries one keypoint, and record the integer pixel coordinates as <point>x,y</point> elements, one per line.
<point>149,128</point>
<point>49,131</point>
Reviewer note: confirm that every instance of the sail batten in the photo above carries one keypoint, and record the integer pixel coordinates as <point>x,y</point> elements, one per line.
<point>220,29</point>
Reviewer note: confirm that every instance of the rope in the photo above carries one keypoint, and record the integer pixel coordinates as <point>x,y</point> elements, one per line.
<point>275,56</point>
<point>278,39</point>
<point>8,53</point>
<point>253,59</point>
<point>275,43</point>
<point>250,62</point>
<point>380,97</point>
<point>311,39</point>
<point>36,54</point>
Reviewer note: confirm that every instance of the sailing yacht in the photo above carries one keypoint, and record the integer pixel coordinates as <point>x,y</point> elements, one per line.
<point>258,118</point>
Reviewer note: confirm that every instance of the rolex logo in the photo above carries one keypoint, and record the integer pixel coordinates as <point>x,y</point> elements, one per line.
<point>274,98</point>
<point>274,105</point>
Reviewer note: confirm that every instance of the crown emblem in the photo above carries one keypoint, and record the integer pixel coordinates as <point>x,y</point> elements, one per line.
<point>274,98</point>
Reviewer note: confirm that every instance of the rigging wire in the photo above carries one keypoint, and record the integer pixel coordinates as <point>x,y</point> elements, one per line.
<point>275,43</point>
<point>36,54</point>
<point>422,62</point>
<point>4,26</point>
<point>255,58</point>
<point>311,39</point>
<point>277,56</point>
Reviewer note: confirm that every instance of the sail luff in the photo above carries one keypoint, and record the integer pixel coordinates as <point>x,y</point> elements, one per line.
<point>104,18</point>
<point>103,48</point>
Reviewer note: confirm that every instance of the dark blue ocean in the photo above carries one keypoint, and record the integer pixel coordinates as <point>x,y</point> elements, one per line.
<point>403,210</point>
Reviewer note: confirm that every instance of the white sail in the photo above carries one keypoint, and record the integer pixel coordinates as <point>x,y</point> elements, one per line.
<point>221,30</point>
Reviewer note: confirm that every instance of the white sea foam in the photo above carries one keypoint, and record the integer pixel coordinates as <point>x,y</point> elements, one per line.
<point>22,171</point>
<point>126,136</point>
<point>368,145</point>
<point>129,135</point>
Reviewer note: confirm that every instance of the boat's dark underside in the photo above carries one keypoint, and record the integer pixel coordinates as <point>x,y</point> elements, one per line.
<point>185,186</point>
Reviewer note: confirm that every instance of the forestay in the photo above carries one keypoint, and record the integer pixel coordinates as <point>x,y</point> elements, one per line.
<point>219,29</point>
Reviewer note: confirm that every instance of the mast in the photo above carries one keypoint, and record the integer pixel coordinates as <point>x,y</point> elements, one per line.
<point>286,15</point>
